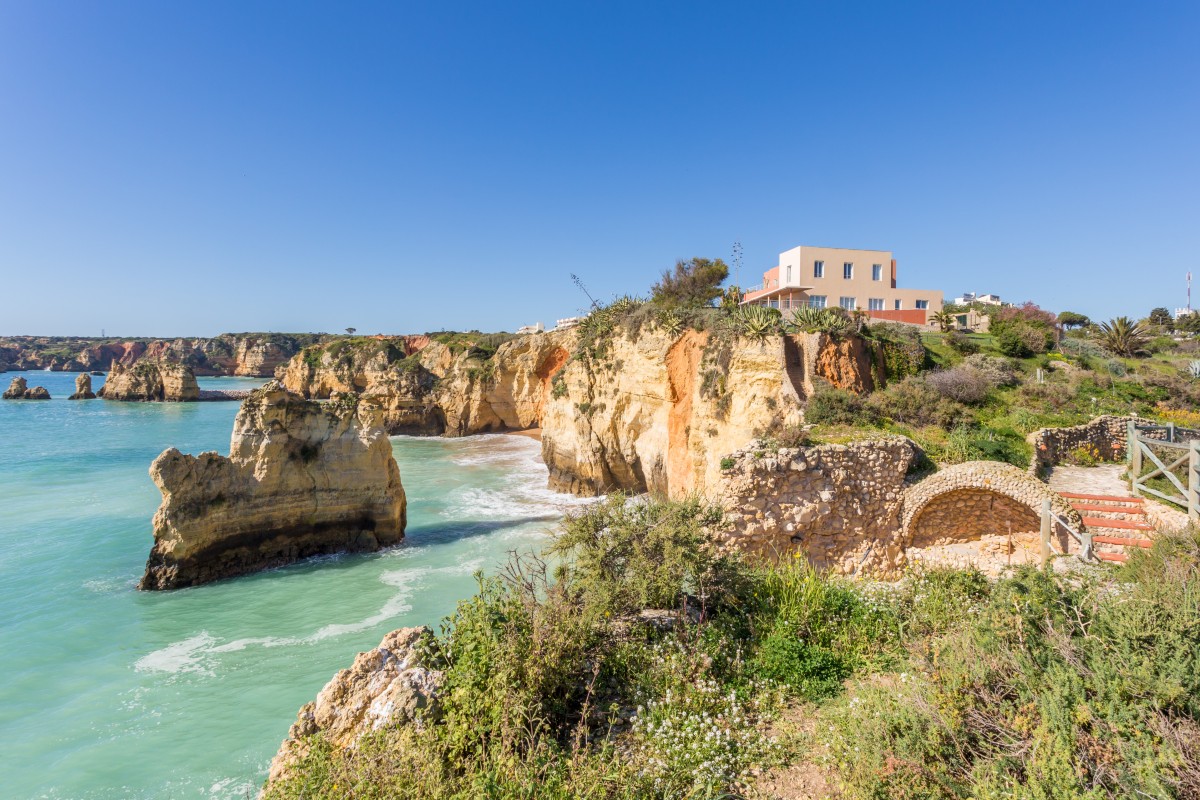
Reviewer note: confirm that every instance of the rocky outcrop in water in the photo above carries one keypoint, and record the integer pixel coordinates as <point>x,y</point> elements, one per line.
<point>151,381</point>
<point>37,393</point>
<point>83,388</point>
<point>302,478</point>
<point>386,686</point>
<point>16,390</point>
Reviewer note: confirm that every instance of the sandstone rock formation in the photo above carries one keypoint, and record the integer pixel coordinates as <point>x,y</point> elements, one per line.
<point>149,381</point>
<point>302,478</point>
<point>636,410</point>
<point>16,390</point>
<point>381,369</point>
<point>37,393</point>
<point>83,388</point>
<point>386,686</point>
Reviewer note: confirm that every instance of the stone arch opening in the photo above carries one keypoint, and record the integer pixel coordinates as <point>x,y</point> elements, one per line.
<point>981,512</point>
<point>971,514</point>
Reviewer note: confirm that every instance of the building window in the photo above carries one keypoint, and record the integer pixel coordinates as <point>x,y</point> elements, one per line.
<point>922,305</point>
<point>789,273</point>
<point>899,305</point>
<point>877,272</point>
<point>816,300</point>
<point>774,302</point>
<point>818,269</point>
<point>847,270</point>
<point>848,303</point>
<point>875,304</point>
<point>787,301</point>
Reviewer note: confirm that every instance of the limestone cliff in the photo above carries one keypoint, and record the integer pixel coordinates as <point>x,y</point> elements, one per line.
<point>83,388</point>
<point>639,410</point>
<point>150,381</point>
<point>385,686</point>
<point>382,369</point>
<point>302,478</point>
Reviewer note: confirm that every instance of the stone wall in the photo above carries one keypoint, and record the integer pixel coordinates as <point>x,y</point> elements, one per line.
<point>848,508</point>
<point>838,504</point>
<point>1053,445</point>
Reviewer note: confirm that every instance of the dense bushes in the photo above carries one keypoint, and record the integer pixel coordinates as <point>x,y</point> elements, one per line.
<point>1057,688</point>
<point>1039,686</point>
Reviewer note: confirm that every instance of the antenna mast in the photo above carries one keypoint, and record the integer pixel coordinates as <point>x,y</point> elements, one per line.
<point>737,264</point>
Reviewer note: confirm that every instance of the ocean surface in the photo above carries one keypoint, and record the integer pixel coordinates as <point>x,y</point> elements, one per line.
<point>107,692</point>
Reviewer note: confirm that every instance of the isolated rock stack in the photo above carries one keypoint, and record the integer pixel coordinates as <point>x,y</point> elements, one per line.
<point>83,388</point>
<point>302,478</point>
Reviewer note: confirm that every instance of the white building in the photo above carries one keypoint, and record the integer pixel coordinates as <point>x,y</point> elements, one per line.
<point>970,297</point>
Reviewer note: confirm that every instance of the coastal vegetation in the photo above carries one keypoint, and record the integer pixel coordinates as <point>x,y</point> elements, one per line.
<point>634,659</point>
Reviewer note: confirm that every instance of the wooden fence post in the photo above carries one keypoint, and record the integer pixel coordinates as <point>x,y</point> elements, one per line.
<point>1130,435</point>
<point>1045,531</point>
<point>1193,498</point>
<point>1135,461</point>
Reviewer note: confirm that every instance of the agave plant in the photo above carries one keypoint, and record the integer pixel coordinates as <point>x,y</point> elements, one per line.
<point>1124,337</point>
<point>824,320</point>
<point>670,321</point>
<point>1193,369</point>
<point>757,322</point>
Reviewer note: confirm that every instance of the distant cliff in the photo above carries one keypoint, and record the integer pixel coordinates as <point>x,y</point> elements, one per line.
<point>302,478</point>
<point>248,354</point>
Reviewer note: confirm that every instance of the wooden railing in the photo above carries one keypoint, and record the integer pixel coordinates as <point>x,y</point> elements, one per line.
<point>1142,441</point>
<point>1049,519</point>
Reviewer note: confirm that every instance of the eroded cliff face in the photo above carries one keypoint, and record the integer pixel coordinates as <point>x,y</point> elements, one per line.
<point>381,369</point>
<point>657,411</point>
<point>302,478</point>
<point>650,410</point>
<point>151,381</point>
<point>388,685</point>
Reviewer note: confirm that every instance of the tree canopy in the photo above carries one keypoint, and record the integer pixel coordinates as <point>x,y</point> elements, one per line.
<point>693,283</point>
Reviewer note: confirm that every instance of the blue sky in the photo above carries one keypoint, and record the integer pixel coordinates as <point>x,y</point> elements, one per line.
<point>188,168</point>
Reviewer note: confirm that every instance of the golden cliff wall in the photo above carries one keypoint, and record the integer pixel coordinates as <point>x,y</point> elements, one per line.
<point>636,410</point>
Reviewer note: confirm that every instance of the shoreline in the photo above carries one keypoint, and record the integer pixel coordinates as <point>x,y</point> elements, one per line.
<point>529,433</point>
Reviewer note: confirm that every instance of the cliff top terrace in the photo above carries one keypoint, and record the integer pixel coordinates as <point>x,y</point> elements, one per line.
<point>822,277</point>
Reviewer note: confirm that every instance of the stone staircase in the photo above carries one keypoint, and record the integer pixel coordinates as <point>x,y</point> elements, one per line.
<point>1116,523</point>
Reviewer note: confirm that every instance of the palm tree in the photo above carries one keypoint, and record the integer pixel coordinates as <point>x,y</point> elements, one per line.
<point>1124,337</point>
<point>944,320</point>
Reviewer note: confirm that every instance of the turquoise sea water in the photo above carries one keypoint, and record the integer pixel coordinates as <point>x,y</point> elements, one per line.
<point>108,692</point>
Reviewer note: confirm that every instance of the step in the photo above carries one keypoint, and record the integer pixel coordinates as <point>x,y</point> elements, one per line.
<point>1111,509</point>
<point>1123,541</point>
<point>1124,524</point>
<point>1106,497</point>
<point>1120,557</point>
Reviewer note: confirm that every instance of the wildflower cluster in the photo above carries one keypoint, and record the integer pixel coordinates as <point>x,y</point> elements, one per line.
<point>697,739</point>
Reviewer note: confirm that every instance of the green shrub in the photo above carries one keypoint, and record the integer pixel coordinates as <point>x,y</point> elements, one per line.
<point>832,406</point>
<point>812,671</point>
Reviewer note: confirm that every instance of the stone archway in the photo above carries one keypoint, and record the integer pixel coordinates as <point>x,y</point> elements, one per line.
<point>984,512</point>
